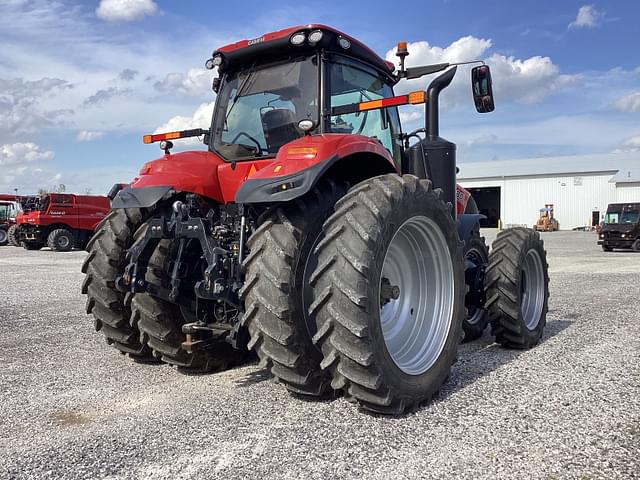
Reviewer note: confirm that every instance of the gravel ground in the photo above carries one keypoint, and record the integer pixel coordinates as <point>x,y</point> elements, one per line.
<point>72,407</point>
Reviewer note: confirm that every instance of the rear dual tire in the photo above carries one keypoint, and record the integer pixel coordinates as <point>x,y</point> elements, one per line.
<point>105,262</point>
<point>276,298</point>
<point>160,324</point>
<point>389,354</point>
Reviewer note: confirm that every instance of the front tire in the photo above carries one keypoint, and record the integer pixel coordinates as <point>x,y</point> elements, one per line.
<point>277,270</point>
<point>60,240</point>
<point>636,245</point>
<point>389,293</point>
<point>606,248</point>
<point>518,288</point>
<point>4,237</point>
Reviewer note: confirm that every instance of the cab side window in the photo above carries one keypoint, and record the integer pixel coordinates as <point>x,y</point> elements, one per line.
<point>349,85</point>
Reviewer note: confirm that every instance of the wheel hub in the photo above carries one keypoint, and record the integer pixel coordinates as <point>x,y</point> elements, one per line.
<point>416,295</point>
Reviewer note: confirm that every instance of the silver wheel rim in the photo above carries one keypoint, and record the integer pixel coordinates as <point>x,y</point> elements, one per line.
<point>63,241</point>
<point>532,288</point>
<point>3,236</point>
<point>415,326</point>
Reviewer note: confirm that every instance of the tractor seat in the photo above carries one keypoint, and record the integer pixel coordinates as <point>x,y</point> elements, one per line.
<point>279,128</point>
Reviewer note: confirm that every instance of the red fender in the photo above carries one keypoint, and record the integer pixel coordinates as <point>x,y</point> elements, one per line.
<point>207,174</point>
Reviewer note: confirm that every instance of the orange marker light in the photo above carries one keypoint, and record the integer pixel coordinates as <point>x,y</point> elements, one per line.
<point>308,152</point>
<point>147,139</point>
<point>277,169</point>
<point>417,97</point>
<point>402,47</point>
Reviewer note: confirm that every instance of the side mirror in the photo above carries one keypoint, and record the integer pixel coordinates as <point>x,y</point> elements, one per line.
<point>482,89</point>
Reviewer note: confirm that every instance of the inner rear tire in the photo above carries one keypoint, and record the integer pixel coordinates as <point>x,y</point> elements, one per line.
<point>277,271</point>
<point>160,323</point>
<point>518,288</point>
<point>389,293</point>
<point>104,263</point>
<point>60,240</point>
<point>476,254</point>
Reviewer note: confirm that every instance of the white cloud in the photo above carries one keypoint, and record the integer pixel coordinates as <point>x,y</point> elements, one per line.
<point>522,80</point>
<point>25,105</point>
<point>196,82</point>
<point>20,153</point>
<point>201,118</point>
<point>89,135</point>
<point>629,103</point>
<point>486,139</point>
<point>631,144</point>
<point>587,16</point>
<point>125,10</point>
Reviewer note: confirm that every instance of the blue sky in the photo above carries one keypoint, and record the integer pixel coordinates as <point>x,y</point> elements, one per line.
<point>81,82</point>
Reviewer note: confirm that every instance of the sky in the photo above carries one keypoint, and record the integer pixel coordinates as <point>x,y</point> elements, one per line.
<point>81,82</point>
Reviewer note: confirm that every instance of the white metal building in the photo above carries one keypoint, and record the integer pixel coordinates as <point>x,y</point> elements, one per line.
<point>579,187</point>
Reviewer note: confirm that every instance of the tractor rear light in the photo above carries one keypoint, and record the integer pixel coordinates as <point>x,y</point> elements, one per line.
<point>344,43</point>
<point>302,152</point>
<point>315,36</point>
<point>298,38</point>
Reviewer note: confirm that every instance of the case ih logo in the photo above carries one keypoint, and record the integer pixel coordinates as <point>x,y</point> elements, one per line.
<point>58,212</point>
<point>255,40</point>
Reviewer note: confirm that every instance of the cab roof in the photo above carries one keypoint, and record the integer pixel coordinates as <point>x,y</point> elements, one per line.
<point>274,45</point>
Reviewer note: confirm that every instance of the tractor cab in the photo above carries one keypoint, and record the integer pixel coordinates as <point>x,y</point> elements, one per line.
<point>269,100</point>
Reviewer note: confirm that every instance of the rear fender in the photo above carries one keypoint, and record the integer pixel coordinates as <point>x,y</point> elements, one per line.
<point>300,164</point>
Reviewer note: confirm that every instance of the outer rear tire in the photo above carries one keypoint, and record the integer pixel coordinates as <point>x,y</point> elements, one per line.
<point>12,236</point>
<point>106,261</point>
<point>349,310</point>
<point>160,323</point>
<point>518,288</point>
<point>60,240</point>
<point>277,270</point>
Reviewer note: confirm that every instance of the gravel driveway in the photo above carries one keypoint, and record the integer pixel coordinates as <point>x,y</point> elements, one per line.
<point>72,407</point>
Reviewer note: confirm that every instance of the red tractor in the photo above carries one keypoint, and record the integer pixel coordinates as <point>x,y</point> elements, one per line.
<point>313,230</point>
<point>60,221</point>
<point>9,208</point>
